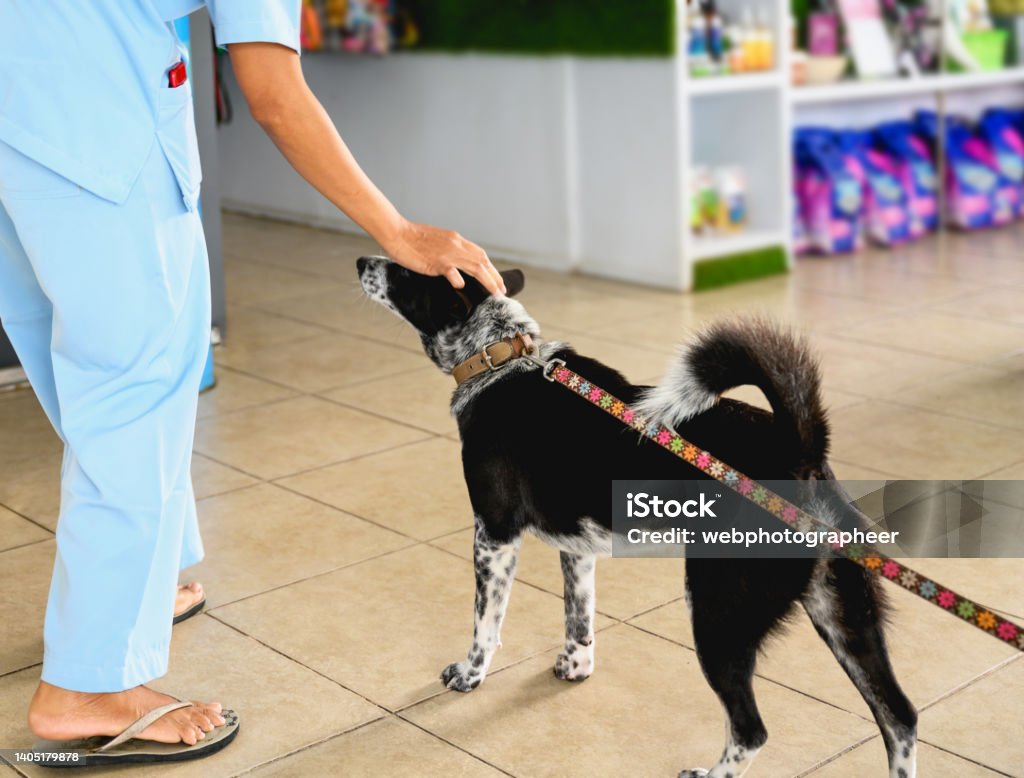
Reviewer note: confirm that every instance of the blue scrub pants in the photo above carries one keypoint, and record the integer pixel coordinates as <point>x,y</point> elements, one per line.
<point>108,308</point>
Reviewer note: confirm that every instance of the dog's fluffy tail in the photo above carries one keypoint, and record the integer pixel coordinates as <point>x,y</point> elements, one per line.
<point>736,352</point>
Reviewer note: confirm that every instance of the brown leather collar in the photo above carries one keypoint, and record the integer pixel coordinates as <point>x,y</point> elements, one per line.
<point>494,356</point>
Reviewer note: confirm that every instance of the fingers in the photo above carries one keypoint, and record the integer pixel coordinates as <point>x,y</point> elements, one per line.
<point>483,270</point>
<point>455,277</point>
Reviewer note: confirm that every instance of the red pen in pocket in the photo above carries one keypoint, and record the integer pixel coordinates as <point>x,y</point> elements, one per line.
<point>177,75</point>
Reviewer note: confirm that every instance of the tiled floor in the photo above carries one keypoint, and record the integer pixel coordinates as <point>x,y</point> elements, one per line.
<point>337,531</point>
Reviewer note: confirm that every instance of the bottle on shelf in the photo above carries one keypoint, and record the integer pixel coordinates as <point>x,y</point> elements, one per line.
<point>823,29</point>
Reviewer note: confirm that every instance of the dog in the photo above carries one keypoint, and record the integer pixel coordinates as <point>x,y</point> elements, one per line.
<point>520,437</point>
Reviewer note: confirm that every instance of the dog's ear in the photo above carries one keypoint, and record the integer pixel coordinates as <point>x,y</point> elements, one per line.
<point>514,281</point>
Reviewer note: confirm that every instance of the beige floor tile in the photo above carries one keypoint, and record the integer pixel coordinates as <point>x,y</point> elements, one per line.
<point>405,750</point>
<point>16,531</point>
<point>252,328</point>
<point>979,393</point>
<point>873,278</point>
<point>386,628</point>
<point>942,335</point>
<point>265,537</point>
<point>919,444</point>
<point>251,283</point>
<point>874,370</point>
<point>646,711</point>
<point>870,759</point>
<point>235,391</point>
<point>282,706</point>
<point>997,583</point>
<point>1006,485</point>
<point>322,362</point>
<point>299,249</point>
<point>925,667</point>
<point>352,313</point>
<point>998,303</point>
<point>210,478</point>
<point>983,721</point>
<point>257,239</point>
<point>625,587</point>
<point>834,398</point>
<point>847,471</point>
<point>23,606</point>
<point>419,398</point>
<point>576,310</point>
<point>31,486</point>
<point>27,432</point>
<point>417,490</point>
<point>291,436</point>
<point>637,363</point>
<point>820,313</point>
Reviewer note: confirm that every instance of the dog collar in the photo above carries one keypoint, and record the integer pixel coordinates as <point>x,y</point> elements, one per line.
<point>494,356</point>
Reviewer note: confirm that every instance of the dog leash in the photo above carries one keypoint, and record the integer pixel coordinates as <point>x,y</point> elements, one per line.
<point>890,569</point>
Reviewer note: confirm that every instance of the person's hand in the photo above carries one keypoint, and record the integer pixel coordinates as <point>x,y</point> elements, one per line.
<point>436,252</point>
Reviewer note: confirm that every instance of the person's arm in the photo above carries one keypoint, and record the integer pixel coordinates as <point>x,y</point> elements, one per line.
<point>270,76</point>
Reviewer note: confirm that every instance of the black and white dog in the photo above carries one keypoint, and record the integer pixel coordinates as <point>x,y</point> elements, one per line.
<point>521,437</point>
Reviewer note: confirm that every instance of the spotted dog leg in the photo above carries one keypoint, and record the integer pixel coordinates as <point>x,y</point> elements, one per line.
<point>576,663</point>
<point>844,605</point>
<point>495,565</point>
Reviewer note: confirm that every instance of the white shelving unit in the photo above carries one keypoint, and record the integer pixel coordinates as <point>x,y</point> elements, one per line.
<point>747,119</point>
<point>576,162</point>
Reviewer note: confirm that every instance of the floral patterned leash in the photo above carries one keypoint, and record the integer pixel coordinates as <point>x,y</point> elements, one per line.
<point>969,611</point>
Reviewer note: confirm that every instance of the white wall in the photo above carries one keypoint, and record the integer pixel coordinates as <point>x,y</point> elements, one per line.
<point>560,162</point>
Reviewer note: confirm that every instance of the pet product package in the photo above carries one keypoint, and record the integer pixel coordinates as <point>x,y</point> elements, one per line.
<point>1007,147</point>
<point>886,207</point>
<point>971,178</point>
<point>829,193</point>
<point>915,169</point>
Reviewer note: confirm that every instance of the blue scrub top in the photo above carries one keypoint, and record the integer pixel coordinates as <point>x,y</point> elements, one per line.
<point>81,82</point>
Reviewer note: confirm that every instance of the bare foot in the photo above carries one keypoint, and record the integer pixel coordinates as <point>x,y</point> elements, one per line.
<point>59,714</point>
<point>188,595</point>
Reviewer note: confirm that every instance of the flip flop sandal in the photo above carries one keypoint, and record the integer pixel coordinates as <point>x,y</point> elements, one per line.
<point>188,614</point>
<point>127,749</point>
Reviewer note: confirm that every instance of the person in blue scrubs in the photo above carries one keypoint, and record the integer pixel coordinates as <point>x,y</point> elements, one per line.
<point>104,292</point>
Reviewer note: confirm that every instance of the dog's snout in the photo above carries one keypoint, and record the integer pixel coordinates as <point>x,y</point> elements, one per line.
<point>361,264</point>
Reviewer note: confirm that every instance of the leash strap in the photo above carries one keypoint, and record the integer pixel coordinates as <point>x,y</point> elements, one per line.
<point>892,570</point>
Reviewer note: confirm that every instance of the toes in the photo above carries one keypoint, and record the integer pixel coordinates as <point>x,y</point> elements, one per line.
<point>455,677</point>
<point>568,669</point>
<point>694,773</point>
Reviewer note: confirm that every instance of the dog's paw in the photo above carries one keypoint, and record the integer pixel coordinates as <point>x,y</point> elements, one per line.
<point>461,677</point>
<point>696,772</point>
<point>577,667</point>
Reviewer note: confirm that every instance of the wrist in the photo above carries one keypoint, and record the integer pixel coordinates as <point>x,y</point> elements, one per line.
<point>389,230</point>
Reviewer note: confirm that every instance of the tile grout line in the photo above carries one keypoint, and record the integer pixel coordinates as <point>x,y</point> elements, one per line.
<point>970,682</point>
<point>965,758</point>
<point>375,414</point>
<point>758,675</point>
<point>28,519</point>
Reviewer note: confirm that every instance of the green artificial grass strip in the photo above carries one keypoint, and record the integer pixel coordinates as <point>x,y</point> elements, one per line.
<point>589,27</point>
<point>747,266</point>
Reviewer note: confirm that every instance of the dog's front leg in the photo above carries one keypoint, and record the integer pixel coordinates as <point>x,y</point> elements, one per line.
<point>495,565</point>
<point>576,663</point>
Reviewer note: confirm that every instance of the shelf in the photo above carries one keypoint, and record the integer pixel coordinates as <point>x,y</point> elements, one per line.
<point>898,87</point>
<point>728,84</point>
<point>711,246</point>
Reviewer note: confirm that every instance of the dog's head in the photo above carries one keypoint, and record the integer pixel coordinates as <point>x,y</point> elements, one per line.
<point>453,324</point>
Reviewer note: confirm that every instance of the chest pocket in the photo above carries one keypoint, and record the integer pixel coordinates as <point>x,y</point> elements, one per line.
<point>176,132</point>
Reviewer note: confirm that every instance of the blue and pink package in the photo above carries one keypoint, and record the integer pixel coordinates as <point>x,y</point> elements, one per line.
<point>915,169</point>
<point>1005,142</point>
<point>886,209</point>
<point>972,182</point>
<point>828,193</point>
